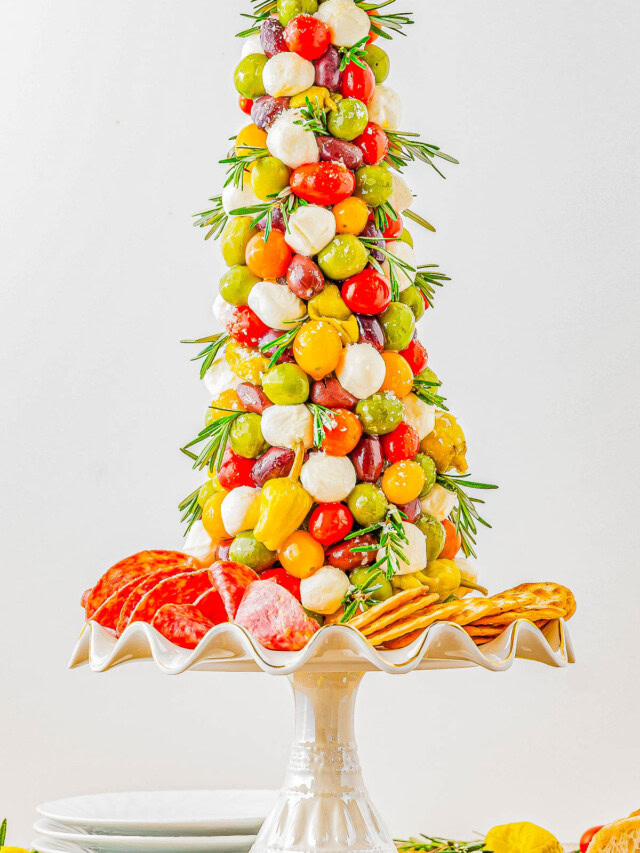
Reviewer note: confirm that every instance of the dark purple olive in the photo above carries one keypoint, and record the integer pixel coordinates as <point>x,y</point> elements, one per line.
<point>328,72</point>
<point>277,221</point>
<point>304,277</point>
<point>374,233</point>
<point>371,331</point>
<point>330,394</point>
<point>411,510</point>
<point>368,459</point>
<point>266,110</point>
<point>253,398</point>
<point>276,462</point>
<point>272,37</point>
<point>271,335</point>
<point>341,556</point>
<point>339,151</point>
<point>222,551</point>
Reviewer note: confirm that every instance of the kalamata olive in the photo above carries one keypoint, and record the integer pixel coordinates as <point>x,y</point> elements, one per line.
<point>328,72</point>
<point>286,357</point>
<point>412,510</point>
<point>272,37</point>
<point>330,394</point>
<point>276,462</point>
<point>341,556</point>
<point>222,552</point>
<point>374,233</point>
<point>277,221</point>
<point>266,110</point>
<point>339,151</point>
<point>368,459</point>
<point>253,398</point>
<point>371,332</point>
<point>304,277</point>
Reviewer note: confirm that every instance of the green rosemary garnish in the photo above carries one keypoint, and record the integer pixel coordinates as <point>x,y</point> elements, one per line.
<point>285,200</point>
<point>424,390</point>
<point>394,22</point>
<point>360,598</point>
<point>216,435</point>
<point>239,163</point>
<point>214,219</point>
<point>432,844</point>
<point>323,420</point>
<point>465,515</point>
<point>191,509</point>
<point>262,10</point>
<point>383,215</point>
<point>405,148</point>
<point>392,539</point>
<point>313,117</point>
<point>418,219</point>
<point>426,281</point>
<point>283,343</point>
<point>397,267</point>
<point>355,54</point>
<point>210,352</point>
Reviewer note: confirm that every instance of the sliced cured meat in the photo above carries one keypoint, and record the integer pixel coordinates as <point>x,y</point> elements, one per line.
<point>108,613</point>
<point>182,624</point>
<point>140,588</point>
<point>274,618</point>
<point>211,604</point>
<point>179,589</point>
<point>232,581</point>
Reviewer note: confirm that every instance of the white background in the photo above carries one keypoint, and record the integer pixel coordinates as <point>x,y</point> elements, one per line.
<point>113,117</point>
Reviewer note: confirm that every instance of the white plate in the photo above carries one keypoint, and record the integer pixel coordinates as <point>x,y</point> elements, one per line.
<point>55,838</point>
<point>223,812</point>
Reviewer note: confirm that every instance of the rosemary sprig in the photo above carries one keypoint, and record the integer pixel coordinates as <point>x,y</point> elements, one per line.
<point>355,54</point>
<point>432,844</point>
<point>262,10</point>
<point>426,281</point>
<point>410,214</point>
<point>210,352</point>
<point>214,219</point>
<point>239,163</point>
<point>216,436</point>
<point>392,539</point>
<point>360,598</point>
<point>466,514</point>
<point>424,390</point>
<point>406,147</point>
<point>313,117</point>
<point>282,343</point>
<point>396,266</point>
<point>190,509</point>
<point>395,22</point>
<point>383,215</point>
<point>285,200</point>
<point>323,420</point>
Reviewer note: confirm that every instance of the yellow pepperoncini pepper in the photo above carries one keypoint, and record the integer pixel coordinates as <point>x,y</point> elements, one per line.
<point>446,445</point>
<point>284,505</point>
<point>441,576</point>
<point>330,307</point>
<point>323,98</point>
<point>246,362</point>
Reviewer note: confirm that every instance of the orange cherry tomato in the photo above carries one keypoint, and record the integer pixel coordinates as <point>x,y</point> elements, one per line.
<point>351,216</point>
<point>344,436</point>
<point>399,376</point>
<point>250,137</point>
<point>268,259</point>
<point>372,36</point>
<point>402,482</point>
<point>220,406</point>
<point>301,555</point>
<point>323,183</point>
<point>452,543</point>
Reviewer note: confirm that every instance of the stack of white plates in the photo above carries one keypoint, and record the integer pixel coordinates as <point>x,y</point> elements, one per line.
<point>153,822</point>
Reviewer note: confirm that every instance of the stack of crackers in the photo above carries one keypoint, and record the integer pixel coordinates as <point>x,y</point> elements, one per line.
<point>398,621</point>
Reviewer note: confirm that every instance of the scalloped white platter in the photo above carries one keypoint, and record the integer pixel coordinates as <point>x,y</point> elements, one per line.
<point>56,838</point>
<point>338,648</point>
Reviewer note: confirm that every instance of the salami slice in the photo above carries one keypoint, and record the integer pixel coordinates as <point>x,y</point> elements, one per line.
<point>136,566</point>
<point>179,589</point>
<point>108,613</point>
<point>275,618</point>
<point>232,581</point>
<point>85,598</point>
<point>182,624</point>
<point>140,588</point>
<point>211,604</point>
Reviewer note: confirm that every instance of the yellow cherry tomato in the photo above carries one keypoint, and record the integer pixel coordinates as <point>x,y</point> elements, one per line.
<point>399,376</point>
<point>317,348</point>
<point>226,400</point>
<point>212,517</point>
<point>402,482</point>
<point>301,555</point>
<point>351,216</point>
<point>250,137</point>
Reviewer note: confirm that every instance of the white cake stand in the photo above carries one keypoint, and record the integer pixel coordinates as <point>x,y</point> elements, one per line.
<point>323,806</point>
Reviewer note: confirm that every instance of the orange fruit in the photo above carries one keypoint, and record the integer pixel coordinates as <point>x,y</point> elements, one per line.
<point>399,376</point>
<point>268,259</point>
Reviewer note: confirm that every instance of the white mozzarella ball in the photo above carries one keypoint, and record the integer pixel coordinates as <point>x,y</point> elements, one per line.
<point>239,509</point>
<point>311,228</point>
<point>275,304</point>
<point>403,251</point>
<point>290,142</point>
<point>385,108</point>
<point>220,378</point>
<point>347,23</point>
<point>439,502</point>
<point>198,544</point>
<point>324,591</point>
<point>419,415</point>
<point>234,198</point>
<point>288,74</point>
<point>285,426</point>
<point>223,310</point>
<point>361,370</point>
<point>415,550</point>
<point>401,195</point>
<point>468,572</point>
<point>328,479</point>
<point>252,45</point>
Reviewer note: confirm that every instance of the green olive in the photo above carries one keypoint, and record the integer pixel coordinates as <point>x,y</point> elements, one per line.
<point>248,76</point>
<point>398,324</point>
<point>345,256</point>
<point>430,472</point>
<point>234,239</point>
<point>435,533</point>
<point>289,9</point>
<point>245,436</point>
<point>374,185</point>
<point>368,504</point>
<point>269,177</point>
<point>413,298</point>
<point>406,237</point>
<point>380,414</point>
<point>378,62</point>
<point>246,549</point>
<point>286,385</point>
<point>236,284</point>
<point>360,577</point>
<point>349,120</point>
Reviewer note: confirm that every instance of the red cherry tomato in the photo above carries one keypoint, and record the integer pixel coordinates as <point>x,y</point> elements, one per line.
<point>329,523</point>
<point>374,144</point>
<point>235,471</point>
<point>246,105</point>
<point>323,183</point>
<point>246,327</point>
<point>284,579</point>
<point>394,228</point>
<point>452,543</point>
<point>358,82</point>
<point>587,838</point>
<point>403,443</point>
<point>367,293</point>
<point>416,355</point>
<point>307,36</point>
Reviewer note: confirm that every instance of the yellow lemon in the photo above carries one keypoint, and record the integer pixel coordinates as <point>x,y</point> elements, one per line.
<point>522,838</point>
